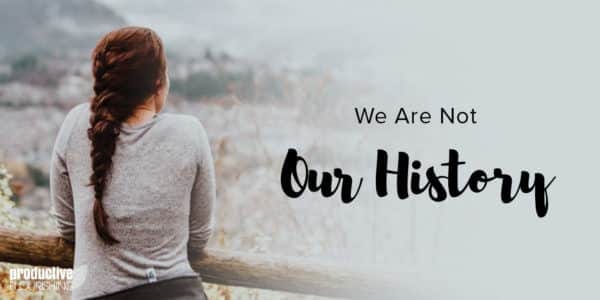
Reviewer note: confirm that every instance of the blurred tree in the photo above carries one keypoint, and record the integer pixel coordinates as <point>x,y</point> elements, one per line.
<point>25,63</point>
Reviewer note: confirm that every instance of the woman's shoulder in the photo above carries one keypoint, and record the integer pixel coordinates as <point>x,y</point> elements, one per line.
<point>79,109</point>
<point>185,124</point>
<point>77,115</point>
<point>69,127</point>
<point>187,130</point>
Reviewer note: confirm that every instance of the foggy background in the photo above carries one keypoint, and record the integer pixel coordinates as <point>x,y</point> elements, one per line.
<point>292,74</point>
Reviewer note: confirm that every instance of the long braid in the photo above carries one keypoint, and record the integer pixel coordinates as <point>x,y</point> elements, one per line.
<point>126,65</point>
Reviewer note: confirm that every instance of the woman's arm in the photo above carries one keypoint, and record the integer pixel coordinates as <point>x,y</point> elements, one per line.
<point>202,199</point>
<point>60,185</point>
<point>62,199</point>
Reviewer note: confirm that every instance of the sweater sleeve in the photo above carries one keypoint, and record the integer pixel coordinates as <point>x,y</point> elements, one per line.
<point>203,198</point>
<point>60,186</point>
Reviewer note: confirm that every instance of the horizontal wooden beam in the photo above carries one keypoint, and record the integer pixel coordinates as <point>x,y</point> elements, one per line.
<point>226,268</point>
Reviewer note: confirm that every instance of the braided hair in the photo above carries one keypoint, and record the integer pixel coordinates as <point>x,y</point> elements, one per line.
<point>129,66</point>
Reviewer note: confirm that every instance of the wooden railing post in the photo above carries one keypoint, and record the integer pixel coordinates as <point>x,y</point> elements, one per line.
<point>224,267</point>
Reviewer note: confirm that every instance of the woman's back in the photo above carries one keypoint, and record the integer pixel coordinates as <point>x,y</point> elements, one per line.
<point>158,197</point>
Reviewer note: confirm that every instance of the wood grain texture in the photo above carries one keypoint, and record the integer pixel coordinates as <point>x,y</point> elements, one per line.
<point>224,267</point>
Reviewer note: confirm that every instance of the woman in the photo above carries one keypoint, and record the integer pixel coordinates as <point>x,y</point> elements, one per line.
<point>133,188</point>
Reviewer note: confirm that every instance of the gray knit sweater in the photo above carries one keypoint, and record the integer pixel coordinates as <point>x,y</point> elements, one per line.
<point>159,200</point>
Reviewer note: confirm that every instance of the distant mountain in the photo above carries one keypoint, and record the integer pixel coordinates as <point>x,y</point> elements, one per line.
<point>53,26</point>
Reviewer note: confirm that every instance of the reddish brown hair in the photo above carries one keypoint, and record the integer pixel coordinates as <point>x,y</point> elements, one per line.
<point>127,63</point>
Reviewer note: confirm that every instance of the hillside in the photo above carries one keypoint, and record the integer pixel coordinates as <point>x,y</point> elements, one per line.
<point>52,26</point>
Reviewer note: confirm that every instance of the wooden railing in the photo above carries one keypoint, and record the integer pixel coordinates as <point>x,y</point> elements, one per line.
<point>227,268</point>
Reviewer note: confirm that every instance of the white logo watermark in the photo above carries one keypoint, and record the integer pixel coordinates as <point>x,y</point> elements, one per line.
<point>41,278</point>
